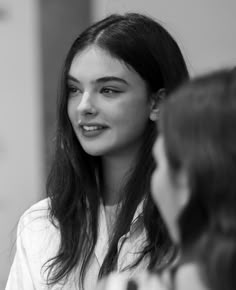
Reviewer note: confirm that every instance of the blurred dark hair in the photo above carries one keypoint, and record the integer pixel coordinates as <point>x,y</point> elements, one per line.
<point>198,123</point>
<point>145,46</point>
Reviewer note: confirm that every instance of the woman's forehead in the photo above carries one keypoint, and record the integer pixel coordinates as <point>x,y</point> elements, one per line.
<point>94,63</point>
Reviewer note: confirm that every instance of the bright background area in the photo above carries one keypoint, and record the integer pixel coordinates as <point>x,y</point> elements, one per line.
<point>205,29</point>
<point>32,47</point>
<point>21,174</point>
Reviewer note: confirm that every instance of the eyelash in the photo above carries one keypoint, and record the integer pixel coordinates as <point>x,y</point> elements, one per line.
<point>73,90</point>
<point>109,91</point>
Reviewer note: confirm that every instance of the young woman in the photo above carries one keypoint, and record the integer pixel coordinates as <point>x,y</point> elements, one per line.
<point>99,216</point>
<point>194,186</point>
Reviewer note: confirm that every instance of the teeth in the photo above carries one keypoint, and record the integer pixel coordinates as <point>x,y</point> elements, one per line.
<point>91,128</point>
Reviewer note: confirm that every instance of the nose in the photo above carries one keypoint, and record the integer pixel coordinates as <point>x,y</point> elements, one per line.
<point>86,106</point>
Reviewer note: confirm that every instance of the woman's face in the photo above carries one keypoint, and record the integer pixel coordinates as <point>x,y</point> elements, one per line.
<point>107,103</point>
<point>169,190</point>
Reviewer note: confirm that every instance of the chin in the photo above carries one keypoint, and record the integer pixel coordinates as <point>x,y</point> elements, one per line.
<point>94,151</point>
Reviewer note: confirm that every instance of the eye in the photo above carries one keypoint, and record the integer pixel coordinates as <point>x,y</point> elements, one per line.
<point>109,91</point>
<point>73,90</point>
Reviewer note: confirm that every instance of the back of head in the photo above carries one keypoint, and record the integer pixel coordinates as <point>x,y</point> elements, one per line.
<point>199,128</point>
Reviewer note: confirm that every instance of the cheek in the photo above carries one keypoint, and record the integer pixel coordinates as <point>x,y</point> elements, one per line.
<point>138,109</point>
<point>132,117</point>
<point>71,110</point>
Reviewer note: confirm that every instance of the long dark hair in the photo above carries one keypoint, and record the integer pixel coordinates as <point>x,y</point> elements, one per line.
<point>147,47</point>
<point>199,127</point>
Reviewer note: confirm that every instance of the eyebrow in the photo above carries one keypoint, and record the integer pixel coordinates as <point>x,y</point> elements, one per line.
<point>71,78</point>
<point>111,78</point>
<point>102,79</point>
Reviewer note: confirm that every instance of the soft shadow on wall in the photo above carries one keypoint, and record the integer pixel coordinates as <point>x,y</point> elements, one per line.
<point>60,23</point>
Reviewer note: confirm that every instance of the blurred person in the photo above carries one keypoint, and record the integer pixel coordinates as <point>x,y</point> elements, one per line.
<point>99,216</point>
<point>194,187</point>
<point>194,184</point>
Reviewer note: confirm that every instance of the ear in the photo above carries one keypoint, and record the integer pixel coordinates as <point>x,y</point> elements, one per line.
<point>156,99</point>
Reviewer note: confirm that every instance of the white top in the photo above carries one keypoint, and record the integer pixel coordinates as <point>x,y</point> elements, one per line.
<point>38,240</point>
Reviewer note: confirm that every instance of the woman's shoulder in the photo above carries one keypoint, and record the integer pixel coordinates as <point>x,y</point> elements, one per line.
<point>36,231</point>
<point>39,210</point>
<point>43,204</point>
<point>36,219</point>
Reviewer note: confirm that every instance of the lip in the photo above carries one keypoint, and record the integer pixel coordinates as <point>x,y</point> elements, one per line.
<point>90,124</point>
<point>97,130</point>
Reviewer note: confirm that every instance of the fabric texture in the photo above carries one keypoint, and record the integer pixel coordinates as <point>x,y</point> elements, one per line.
<point>38,240</point>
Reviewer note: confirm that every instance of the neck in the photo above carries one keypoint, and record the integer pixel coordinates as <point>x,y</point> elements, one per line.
<point>115,169</point>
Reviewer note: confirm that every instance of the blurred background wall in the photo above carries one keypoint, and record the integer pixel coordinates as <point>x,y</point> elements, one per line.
<point>205,29</point>
<point>21,162</point>
<point>34,38</point>
<point>60,23</point>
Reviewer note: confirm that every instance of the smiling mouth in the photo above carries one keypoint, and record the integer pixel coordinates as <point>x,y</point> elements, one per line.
<point>92,128</point>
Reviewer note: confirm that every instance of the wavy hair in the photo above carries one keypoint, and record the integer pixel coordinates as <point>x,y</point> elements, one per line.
<point>199,127</point>
<point>144,45</point>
